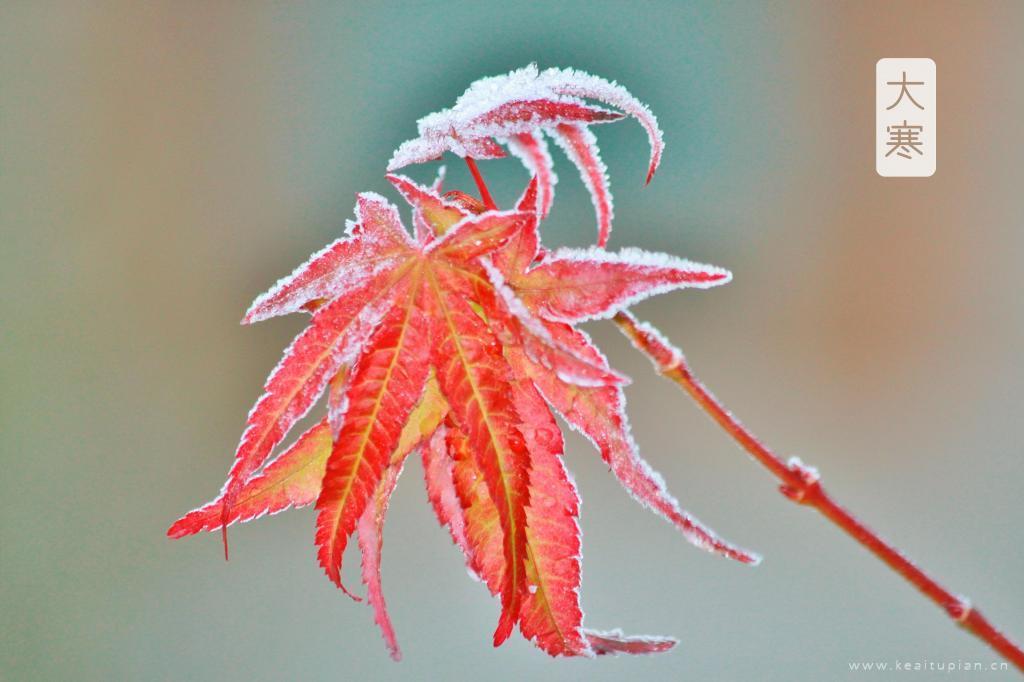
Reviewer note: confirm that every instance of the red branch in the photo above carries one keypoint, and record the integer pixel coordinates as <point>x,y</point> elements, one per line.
<point>800,483</point>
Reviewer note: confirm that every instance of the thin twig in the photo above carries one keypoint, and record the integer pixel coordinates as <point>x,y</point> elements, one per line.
<point>801,484</point>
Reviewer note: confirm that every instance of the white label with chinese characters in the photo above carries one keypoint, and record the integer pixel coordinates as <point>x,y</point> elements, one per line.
<point>905,133</point>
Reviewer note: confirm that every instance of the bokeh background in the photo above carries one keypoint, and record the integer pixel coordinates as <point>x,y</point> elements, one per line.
<point>164,162</point>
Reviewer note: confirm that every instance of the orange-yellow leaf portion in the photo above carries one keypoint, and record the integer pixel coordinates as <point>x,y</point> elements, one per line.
<point>385,386</point>
<point>291,480</point>
<point>473,375</point>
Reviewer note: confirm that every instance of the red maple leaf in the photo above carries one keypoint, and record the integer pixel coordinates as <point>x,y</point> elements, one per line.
<point>461,342</point>
<point>458,342</point>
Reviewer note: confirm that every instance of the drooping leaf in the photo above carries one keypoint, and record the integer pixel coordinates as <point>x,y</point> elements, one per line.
<point>551,614</point>
<point>580,145</point>
<point>422,423</point>
<point>384,387</point>
<point>516,109</point>
<point>576,83</point>
<point>371,540</point>
<point>477,513</point>
<point>473,375</point>
<point>520,102</point>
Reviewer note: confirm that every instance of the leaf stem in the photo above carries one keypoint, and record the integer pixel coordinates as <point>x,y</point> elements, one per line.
<point>801,484</point>
<point>485,196</point>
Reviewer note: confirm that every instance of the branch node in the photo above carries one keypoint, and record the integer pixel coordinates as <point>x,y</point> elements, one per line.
<point>805,479</point>
<point>959,609</point>
<point>666,357</point>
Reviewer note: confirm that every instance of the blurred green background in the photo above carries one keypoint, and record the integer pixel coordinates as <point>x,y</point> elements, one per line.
<point>164,162</point>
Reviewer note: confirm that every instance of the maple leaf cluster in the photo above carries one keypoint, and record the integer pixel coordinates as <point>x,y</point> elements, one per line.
<point>460,341</point>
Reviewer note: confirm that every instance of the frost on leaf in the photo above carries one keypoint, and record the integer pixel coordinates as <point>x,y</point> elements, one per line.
<point>458,340</point>
<point>517,109</point>
<point>532,150</point>
<point>291,480</point>
<point>574,285</point>
<point>580,145</point>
